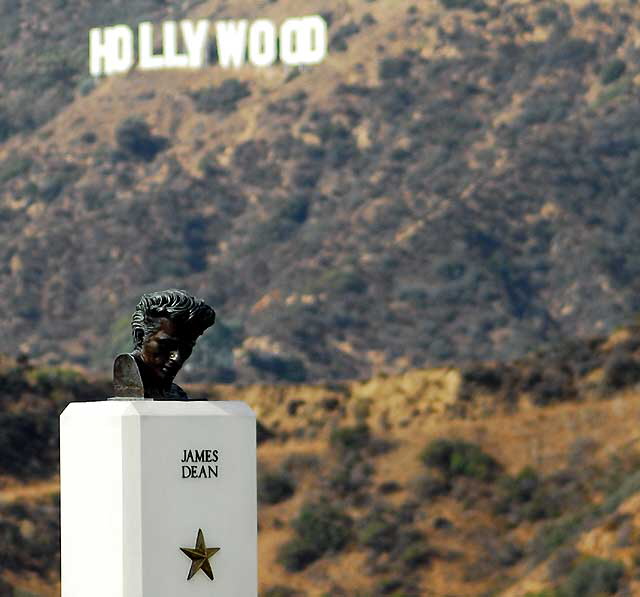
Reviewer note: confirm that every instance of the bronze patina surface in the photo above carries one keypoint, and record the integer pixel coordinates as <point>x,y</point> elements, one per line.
<point>199,556</point>
<point>165,327</point>
<point>127,382</point>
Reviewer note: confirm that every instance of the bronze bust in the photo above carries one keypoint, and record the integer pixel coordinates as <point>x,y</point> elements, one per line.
<point>165,327</point>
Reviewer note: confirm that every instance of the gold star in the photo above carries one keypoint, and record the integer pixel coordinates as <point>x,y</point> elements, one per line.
<point>200,556</point>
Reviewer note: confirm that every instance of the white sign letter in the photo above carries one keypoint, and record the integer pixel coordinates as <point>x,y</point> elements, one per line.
<point>290,41</point>
<point>231,39</point>
<point>316,48</point>
<point>110,50</point>
<point>262,43</point>
<point>99,54</point>
<point>172,59</point>
<point>195,40</point>
<point>303,41</point>
<point>121,45</point>
<point>146,58</point>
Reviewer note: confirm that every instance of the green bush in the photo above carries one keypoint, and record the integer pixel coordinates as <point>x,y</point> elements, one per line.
<point>222,98</point>
<point>209,165</point>
<point>429,486</point>
<point>620,370</point>
<point>612,71</point>
<point>395,587</point>
<point>285,368</point>
<point>546,16</point>
<point>28,443</point>
<point>347,439</point>
<point>323,525</point>
<point>412,550</point>
<point>134,138</point>
<point>391,68</point>
<point>297,554</point>
<point>475,5</point>
<point>338,42</point>
<point>351,475</point>
<point>274,487</point>
<point>460,458</point>
<point>524,497</point>
<point>378,531</point>
<point>555,534</point>
<point>594,577</point>
<point>15,165</point>
<point>281,591</point>
<point>346,281</point>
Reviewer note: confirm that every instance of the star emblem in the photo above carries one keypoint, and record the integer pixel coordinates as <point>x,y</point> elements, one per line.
<point>200,555</point>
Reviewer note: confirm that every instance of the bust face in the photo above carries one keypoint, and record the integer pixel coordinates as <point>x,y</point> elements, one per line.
<point>165,351</point>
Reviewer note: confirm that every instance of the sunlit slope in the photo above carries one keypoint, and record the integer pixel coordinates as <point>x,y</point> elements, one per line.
<point>496,478</point>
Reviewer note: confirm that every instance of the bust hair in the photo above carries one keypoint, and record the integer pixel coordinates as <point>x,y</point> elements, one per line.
<point>176,305</point>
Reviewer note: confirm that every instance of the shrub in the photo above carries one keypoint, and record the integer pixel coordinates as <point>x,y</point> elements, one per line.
<point>324,526</point>
<point>612,71</point>
<point>594,577</point>
<point>573,51</point>
<point>280,591</point>
<point>378,531</point>
<point>209,165</point>
<point>263,433</point>
<point>396,587</point>
<point>351,475</point>
<point>391,68</point>
<point>485,378</point>
<point>307,173</point>
<point>475,5</point>
<point>555,534</point>
<point>338,41</point>
<point>411,550</point>
<point>286,368</point>
<point>347,439</point>
<point>562,562</point>
<point>344,281</point>
<point>620,370</point>
<point>274,487</point>
<point>295,209</point>
<point>28,443</point>
<point>134,138</point>
<point>284,224</point>
<point>391,586</point>
<point>15,165</point>
<point>459,458</point>
<point>297,554</point>
<point>524,497</point>
<point>429,486</point>
<point>320,528</point>
<point>300,462</point>
<point>222,98</point>
<point>546,16</point>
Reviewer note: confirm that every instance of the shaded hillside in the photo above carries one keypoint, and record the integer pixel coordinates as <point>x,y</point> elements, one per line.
<point>497,479</point>
<point>457,180</point>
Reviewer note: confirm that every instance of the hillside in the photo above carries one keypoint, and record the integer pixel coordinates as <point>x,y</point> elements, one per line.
<point>457,180</point>
<point>509,479</point>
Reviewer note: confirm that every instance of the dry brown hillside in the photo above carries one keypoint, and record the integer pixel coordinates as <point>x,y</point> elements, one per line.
<point>491,479</point>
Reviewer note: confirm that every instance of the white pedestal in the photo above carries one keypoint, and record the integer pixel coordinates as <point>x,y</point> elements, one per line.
<point>128,505</point>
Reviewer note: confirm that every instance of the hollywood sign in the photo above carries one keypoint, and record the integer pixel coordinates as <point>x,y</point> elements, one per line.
<point>298,41</point>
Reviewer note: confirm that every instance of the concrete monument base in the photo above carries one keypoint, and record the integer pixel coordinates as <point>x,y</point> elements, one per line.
<point>139,480</point>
